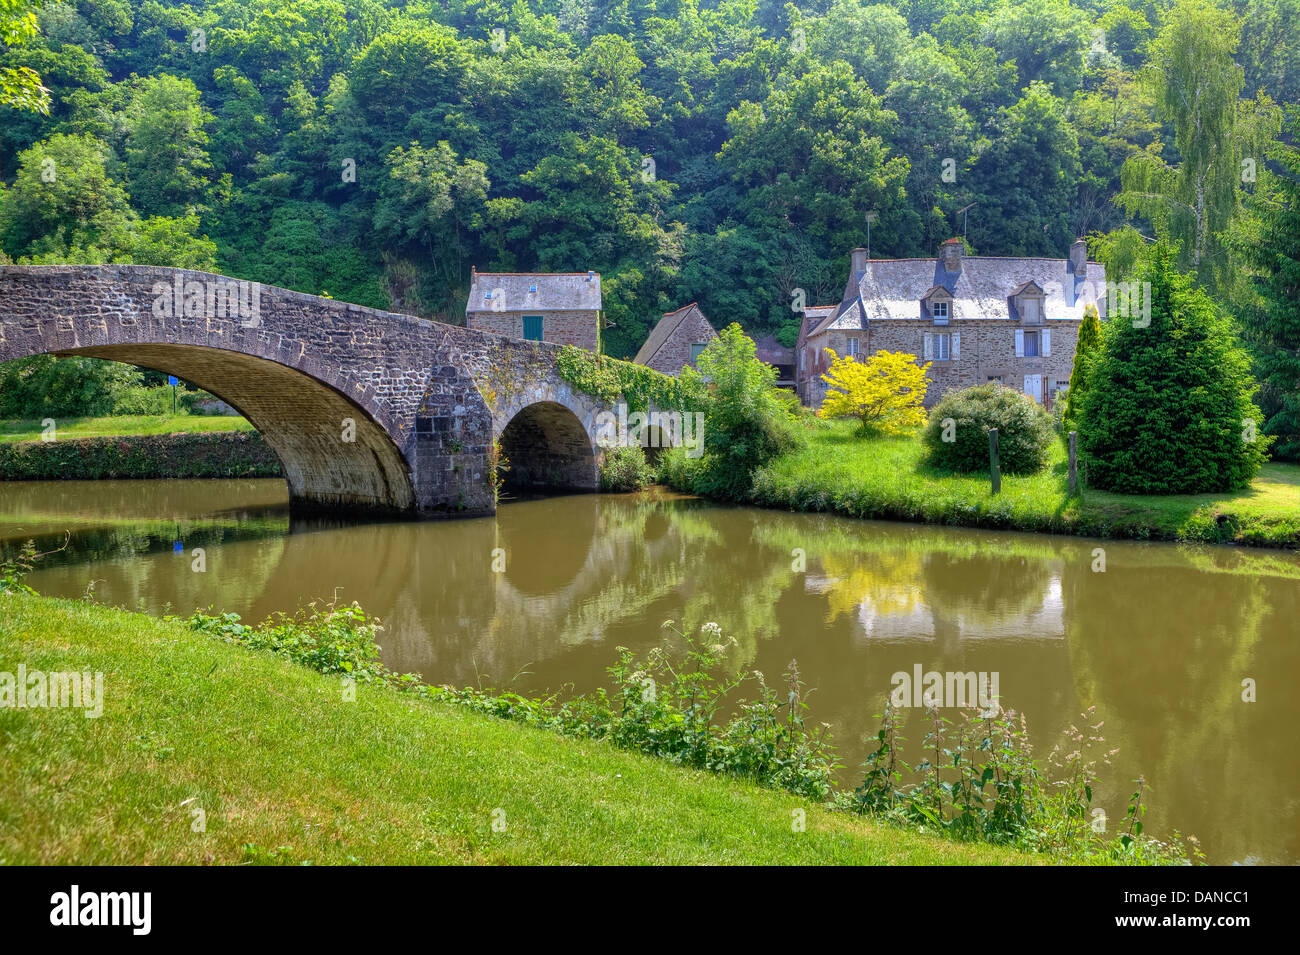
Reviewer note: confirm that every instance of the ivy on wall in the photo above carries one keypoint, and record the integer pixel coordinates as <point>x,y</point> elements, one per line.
<point>640,387</point>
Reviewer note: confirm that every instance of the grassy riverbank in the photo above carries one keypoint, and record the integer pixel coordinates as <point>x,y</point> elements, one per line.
<point>32,430</point>
<point>285,770</point>
<point>888,478</point>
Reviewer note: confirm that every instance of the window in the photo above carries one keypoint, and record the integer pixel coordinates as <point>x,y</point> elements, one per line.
<point>1031,344</point>
<point>1029,309</point>
<point>853,348</point>
<point>995,379</point>
<point>943,346</point>
<point>698,348</point>
<point>940,312</point>
<point>533,328</point>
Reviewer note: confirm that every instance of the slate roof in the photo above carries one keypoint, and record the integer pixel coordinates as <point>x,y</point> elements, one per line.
<point>814,315</point>
<point>773,352</point>
<point>847,314</point>
<point>983,289</point>
<point>663,331</point>
<point>556,291</point>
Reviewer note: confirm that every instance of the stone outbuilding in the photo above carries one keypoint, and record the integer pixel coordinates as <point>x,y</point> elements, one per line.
<point>676,340</point>
<point>559,307</point>
<point>780,357</point>
<point>975,319</point>
<point>813,316</point>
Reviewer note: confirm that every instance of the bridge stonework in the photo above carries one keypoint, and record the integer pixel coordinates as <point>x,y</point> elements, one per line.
<point>369,411</point>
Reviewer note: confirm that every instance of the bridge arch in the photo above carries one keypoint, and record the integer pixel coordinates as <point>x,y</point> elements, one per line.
<point>334,453</point>
<point>369,411</point>
<point>548,447</point>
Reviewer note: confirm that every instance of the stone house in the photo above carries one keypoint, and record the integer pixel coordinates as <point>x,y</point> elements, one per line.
<point>559,307</point>
<point>976,319</point>
<point>676,340</point>
<point>813,317</point>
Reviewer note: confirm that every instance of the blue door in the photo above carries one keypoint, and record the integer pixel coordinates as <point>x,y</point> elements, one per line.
<point>533,328</point>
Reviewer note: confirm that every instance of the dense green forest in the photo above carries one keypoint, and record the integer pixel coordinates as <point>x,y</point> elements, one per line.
<point>726,152</point>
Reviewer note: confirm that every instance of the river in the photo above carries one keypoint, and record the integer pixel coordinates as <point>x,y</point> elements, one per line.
<point>1159,638</point>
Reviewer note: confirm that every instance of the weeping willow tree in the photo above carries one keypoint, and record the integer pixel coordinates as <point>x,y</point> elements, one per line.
<point>1219,138</point>
<point>1267,241</point>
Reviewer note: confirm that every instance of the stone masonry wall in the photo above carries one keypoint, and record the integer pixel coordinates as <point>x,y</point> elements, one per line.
<point>987,351</point>
<point>581,328</point>
<point>676,351</point>
<point>367,410</point>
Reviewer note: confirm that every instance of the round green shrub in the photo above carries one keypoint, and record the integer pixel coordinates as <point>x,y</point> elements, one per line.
<point>1025,432</point>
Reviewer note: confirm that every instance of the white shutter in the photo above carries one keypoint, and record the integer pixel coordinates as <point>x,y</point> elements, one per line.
<point>1047,341</point>
<point>956,345</point>
<point>1020,343</point>
<point>927,350</point>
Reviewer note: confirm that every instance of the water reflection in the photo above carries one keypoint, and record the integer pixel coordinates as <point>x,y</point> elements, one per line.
<point>1159,643</point>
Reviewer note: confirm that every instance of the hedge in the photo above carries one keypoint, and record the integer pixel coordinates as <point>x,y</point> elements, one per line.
<point>225,454</point>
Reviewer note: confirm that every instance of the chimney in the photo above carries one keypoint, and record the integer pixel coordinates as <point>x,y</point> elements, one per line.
<point>1079,258</point>
<point>858,261</point>
<point>950,254</point>
<point>590,275</point>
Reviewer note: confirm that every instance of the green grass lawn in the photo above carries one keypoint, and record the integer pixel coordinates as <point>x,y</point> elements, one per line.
<point>31,430</point>
<point>888,478</point>
<point>285,770</point>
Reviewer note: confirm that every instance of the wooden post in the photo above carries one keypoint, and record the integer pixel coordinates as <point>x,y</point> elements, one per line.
<point>1074,461</point>
<point>995,468</point>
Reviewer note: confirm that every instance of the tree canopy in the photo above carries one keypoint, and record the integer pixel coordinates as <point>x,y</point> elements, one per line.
<point>712,150</point>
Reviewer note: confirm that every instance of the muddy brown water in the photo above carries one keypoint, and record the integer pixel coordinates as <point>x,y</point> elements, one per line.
<point>1159,642</point>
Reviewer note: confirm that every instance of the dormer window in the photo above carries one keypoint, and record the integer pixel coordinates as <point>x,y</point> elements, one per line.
<point>936,305</point>
<point>1029,303</point>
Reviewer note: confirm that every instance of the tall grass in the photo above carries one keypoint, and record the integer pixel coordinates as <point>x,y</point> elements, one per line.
<point>679,704</point>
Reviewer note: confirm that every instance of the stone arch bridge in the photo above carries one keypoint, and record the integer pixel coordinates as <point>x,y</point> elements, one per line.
<point>369,411</point>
